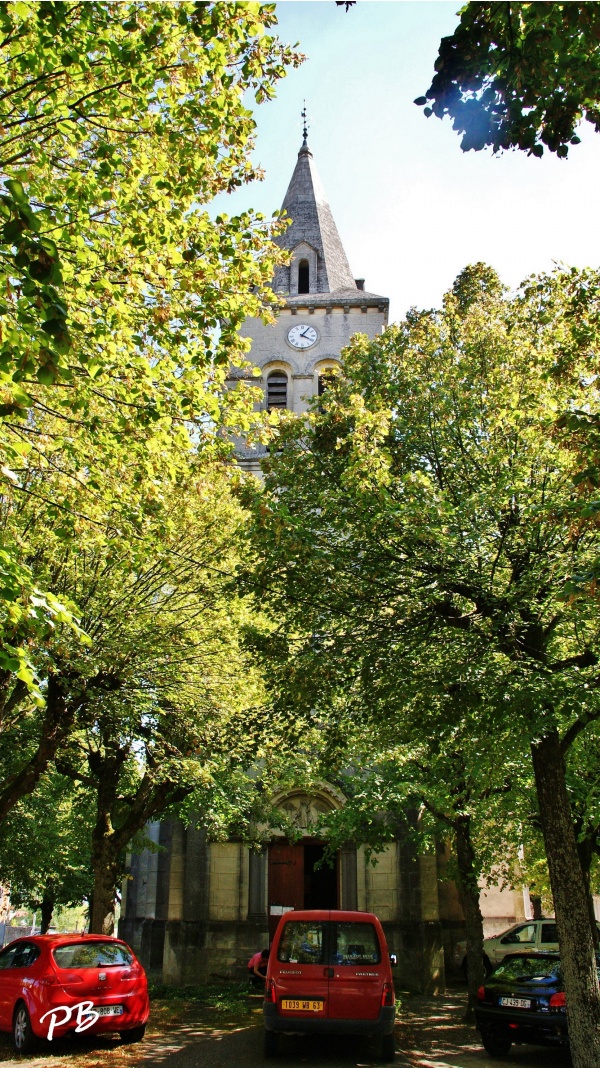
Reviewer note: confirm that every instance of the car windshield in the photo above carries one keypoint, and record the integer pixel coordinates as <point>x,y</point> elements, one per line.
<point>92,955</point>
<point>527,968</point>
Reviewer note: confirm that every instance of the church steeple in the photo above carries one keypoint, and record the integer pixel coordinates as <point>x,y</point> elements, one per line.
<point>322,307</point>
<point>319,263</point>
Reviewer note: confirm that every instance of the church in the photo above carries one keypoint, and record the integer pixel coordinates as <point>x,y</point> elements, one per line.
<point>194,909</point>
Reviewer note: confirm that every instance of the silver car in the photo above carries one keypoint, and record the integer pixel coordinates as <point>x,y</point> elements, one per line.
<point>531,934</point>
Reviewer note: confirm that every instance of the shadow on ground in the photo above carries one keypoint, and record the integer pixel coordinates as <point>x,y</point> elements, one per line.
<point>430,1033</point>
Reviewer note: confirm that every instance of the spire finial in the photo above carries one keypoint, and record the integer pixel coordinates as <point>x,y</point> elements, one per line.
<point>304,125</point>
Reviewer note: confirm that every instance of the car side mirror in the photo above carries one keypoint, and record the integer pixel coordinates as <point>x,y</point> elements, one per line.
<point>393,960</point>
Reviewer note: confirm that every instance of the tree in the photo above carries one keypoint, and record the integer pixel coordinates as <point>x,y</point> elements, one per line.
<point>44,849</point>
<point>428,504</point>
<point>165,695</point>
<point>405,738</point>
<point>583,780</point>
<point>122,298</point>
<point>519,75</point>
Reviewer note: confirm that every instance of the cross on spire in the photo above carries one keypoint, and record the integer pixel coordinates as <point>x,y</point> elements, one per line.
<point>304,123</point>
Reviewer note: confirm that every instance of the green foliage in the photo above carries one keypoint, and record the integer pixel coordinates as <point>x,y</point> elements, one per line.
<point>166,697</point>
<point>421,533</point>
<point>230,998</point>
<point>519,75</point>
<point>121,297</point>
<point>45,847</point>
<point>431,491</point>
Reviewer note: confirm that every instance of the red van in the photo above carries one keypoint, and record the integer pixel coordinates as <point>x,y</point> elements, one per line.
<point>330,973</point>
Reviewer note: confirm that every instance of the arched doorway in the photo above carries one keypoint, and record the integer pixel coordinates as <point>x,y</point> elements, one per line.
<point>299,875</point>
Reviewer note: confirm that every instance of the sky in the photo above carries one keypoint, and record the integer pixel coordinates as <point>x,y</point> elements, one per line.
<point>412,209</point>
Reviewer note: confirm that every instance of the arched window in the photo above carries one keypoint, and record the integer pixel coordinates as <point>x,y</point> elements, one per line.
<point>324,380</point>
<point>303,277</point>
<point>277,384</point>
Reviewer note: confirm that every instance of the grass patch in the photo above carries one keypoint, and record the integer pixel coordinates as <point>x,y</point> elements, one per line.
<point>221,997</point>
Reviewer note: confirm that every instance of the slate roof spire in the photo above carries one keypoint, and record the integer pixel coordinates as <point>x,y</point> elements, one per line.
<point>313,225</point>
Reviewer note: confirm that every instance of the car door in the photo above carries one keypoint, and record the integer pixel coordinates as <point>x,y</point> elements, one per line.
<point>16,976</point>
<point>522,937</point>
<point>6,959</point>
<point>548,935</point>
<point>300,970</point>
<point>359,970</point>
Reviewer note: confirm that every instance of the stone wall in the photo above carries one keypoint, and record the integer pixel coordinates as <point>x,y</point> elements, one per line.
<point>195,911</point>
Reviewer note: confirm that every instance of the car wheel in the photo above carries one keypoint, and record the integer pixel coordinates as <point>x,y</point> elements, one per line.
<point>24,1039</point>
<point>135,1034</point>
<point>496,1043</point>
<point>388,1048</point>
<point>271,1043</point>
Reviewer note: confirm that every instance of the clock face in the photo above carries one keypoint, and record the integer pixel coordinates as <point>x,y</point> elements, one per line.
<point>302,336</point>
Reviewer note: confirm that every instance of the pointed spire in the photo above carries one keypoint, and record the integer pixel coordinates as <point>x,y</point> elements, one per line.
<point>312,224</point>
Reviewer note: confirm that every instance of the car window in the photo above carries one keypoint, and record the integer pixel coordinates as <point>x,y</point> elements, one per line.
<point>92,955</point>
<point>524,933</point>
<point>354,943</point>
<point>7,956</point>
<point>26,953</point>
<point>525,967</point>
<point>549,932</point>
<point>302,942</point>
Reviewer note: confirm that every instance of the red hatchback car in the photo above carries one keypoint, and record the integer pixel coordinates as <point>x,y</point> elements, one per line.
<point>52,985</point>
<point>330,973</point>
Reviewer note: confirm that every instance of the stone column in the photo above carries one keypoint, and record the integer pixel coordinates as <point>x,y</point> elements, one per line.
<point>257,886</point>
<point>174,953</point>
<point>417,936</point>
<point>303,391</point>
<point>349,879</point>
<point>138,900</point>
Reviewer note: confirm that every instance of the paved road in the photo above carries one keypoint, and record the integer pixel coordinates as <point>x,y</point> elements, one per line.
<point>430,1034</point>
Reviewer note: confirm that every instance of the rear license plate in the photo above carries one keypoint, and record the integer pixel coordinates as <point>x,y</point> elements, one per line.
<point>301,1006</point>
<point>109,1010</point>
<point>515,1003</point>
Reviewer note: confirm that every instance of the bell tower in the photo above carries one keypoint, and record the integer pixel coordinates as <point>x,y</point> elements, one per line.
<point>324,305</point>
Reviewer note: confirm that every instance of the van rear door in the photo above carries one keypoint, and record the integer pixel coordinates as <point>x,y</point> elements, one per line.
<point>360,968</point>
<point>300,970</point>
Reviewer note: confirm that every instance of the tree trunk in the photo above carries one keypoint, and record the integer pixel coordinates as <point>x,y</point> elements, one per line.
<point>468,888</point>
<point>56,724</point>
<point>106,873</point>
<point>585,850</point>
<point>47,908</point>
<point>570,903</point>
<point>536,906</point>
<point>105,854</point>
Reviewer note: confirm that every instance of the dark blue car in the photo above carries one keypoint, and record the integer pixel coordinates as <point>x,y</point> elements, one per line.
<point>523,1000</point>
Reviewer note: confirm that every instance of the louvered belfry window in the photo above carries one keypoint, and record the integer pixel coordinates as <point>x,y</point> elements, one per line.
<point>277,384</point>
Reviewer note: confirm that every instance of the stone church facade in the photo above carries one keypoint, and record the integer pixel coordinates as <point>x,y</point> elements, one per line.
<point>193,909</point>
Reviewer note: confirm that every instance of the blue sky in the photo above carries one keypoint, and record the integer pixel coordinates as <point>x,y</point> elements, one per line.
<point>411,208</point>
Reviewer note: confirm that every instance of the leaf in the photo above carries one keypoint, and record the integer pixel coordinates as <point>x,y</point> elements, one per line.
<point>16,190</point>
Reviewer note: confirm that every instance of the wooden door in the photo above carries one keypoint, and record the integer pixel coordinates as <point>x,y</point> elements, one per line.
<point>286,880</point>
